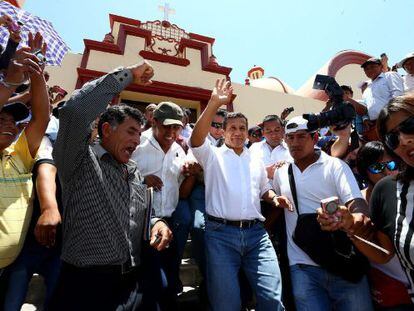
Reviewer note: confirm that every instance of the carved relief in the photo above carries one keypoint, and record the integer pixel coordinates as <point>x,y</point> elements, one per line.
<point>165,38</point>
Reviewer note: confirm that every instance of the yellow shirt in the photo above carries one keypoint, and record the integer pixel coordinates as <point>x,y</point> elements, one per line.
<point>16,189</point>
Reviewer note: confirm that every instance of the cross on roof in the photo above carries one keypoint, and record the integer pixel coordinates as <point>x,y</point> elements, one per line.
<point>167,10</point>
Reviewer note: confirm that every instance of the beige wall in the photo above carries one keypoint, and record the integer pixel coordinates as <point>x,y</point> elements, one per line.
<point>65,75</point>
<point>351,75</point>
<point>256,103</point>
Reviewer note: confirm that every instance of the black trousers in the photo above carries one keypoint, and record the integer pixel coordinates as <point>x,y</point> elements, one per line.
<point>97,289</point>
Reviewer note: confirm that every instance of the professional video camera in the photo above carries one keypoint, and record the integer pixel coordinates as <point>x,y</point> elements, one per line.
<point>341,114</point>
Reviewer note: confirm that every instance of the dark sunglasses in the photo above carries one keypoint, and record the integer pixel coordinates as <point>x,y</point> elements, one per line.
<point>392,139</point>
<point>256,135</point>
<point>217,125</point>
<point>379,167</point>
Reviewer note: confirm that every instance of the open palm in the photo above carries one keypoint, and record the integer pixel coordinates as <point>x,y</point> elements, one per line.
<point>222,92</point>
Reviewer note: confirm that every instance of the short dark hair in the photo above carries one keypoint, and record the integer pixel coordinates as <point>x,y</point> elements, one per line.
<point>221,113</point>
<point>347,88</point>
<point>234,115</point>
<point>367,155</point>
<point>272,117</point>
<point>116,115</point>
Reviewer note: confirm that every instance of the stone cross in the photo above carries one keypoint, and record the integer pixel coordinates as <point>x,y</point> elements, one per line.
<point>167,10</point>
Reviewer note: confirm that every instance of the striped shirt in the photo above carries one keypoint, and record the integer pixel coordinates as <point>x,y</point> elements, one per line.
<point>404,230</point>
<point>104,200</point>
<point>392,211</point>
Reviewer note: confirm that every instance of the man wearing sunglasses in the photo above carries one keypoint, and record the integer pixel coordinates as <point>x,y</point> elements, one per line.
<point>216,131</point>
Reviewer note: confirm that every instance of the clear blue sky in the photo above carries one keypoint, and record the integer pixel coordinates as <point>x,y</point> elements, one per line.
<point>289,39</point>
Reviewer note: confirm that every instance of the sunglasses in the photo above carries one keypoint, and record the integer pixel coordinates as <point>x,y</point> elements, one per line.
<point>379,167</point>
<point>256,135</point>
<point>217,125</point>
<point>392,139</point>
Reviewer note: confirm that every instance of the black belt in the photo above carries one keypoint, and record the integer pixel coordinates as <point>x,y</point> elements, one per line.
<point>122,269</point>
<point>237,223</point>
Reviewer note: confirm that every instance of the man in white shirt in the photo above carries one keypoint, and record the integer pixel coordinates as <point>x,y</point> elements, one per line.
<point>272,149</point>
<point>216,131</point>
<point>382,87</point>
<point>408,64</point>
<point>160,160</point>
<point>318,176</point>
<point>235,237</point>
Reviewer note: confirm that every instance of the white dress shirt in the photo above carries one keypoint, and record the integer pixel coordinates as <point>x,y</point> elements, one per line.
<point>380,91</point>
<point>234,183</point>
<point>408,82</point>
<point>212,140</point>
<point>151,160</point>
<point>145,135</point>
<point>262,151</point>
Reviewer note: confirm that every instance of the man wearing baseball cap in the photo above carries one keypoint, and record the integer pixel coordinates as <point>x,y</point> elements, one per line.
<point>317,176</point>
<point>408,64</point>
<point>160,160</point>
<point>381,88</point>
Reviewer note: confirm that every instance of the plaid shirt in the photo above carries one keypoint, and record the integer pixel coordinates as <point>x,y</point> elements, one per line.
<point>104,201</point>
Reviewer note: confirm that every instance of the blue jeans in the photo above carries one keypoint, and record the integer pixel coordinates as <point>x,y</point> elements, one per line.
<point>34,258</point>
<point>316,289</point>
<point>229,249</point>
<point>189,217</point>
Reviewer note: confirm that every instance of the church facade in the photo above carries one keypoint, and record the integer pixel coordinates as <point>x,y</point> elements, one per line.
<point>186,70</point>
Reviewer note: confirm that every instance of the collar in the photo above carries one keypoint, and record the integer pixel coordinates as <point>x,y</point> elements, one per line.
<point>224,148</point>
<point>99,150</point>
<point>281,145</point>
<point>381,75</point>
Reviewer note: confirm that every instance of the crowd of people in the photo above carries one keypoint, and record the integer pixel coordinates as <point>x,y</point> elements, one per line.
<point>101,200</point>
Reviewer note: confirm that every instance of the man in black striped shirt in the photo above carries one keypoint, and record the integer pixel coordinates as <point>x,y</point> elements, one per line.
<point>103,197</point>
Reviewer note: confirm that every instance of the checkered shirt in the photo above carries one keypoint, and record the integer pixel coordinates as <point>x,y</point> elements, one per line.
<point>104,201</point>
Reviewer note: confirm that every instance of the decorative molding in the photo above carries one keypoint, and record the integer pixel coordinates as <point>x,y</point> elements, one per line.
<point>122,20</point>
<point>164,58</point>
<point>157,88</point>
<point>339,61</point>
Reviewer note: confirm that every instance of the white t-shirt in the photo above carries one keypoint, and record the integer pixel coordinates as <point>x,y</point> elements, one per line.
<point>325,178</point>
<point>234,183</point>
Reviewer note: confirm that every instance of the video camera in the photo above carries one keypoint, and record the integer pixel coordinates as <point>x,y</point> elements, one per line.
<point>341,114</point>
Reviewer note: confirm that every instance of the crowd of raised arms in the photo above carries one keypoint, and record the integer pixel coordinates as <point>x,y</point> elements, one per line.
<point>101,199</point>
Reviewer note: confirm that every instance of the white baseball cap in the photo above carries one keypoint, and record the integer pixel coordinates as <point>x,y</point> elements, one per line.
<point>296,124</point>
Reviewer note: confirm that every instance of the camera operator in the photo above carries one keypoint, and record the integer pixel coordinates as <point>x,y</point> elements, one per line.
<point>317,176</point>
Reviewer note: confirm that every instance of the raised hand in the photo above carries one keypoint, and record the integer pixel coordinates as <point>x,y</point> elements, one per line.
<point>142,73</point>
<point>222,93</point>
<point>5,20</point>
<point>23,64</point>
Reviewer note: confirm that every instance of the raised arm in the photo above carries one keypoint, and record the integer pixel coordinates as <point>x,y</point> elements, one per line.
<point>83,107</point>
<point>220,96</point>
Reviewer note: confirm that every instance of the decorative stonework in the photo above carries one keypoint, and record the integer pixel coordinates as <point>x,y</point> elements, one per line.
<point>165,38</point>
